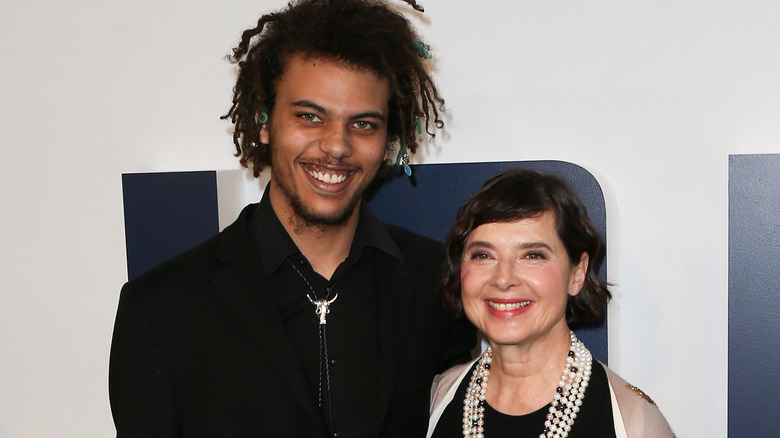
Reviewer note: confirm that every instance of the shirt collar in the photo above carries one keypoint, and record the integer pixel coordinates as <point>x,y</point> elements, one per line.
<point>275,246</point>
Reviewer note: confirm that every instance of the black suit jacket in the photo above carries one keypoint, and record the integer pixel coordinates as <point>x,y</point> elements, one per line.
<point>199,350</point>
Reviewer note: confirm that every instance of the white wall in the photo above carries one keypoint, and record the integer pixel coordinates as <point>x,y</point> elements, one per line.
<point>651,97</point>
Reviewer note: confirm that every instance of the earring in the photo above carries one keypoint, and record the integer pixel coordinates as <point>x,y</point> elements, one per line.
<point>422,49</point>
<point>402,159</point>
<point>419,129</point>
<point>246,144</point>
<point>262,117</point>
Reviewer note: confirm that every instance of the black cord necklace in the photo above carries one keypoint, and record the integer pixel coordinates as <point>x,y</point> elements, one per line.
<point>321,310</point>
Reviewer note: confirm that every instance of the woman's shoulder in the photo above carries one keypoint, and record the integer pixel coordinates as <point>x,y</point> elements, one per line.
<point>445,381</point>
<point>638,412</point>
<point>622,387</point>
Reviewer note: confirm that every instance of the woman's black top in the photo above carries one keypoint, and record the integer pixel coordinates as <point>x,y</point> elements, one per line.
<point>593,421</point>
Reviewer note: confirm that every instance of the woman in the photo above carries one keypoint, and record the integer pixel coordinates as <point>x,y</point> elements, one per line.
<point>522,263</point>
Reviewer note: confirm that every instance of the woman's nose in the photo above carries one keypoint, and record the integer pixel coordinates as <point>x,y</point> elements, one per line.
<point>506,274</point>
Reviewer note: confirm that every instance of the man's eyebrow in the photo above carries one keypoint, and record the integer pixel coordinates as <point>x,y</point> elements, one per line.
<point>364,115</point>
<point>309,104</point>
<point>370,115</point>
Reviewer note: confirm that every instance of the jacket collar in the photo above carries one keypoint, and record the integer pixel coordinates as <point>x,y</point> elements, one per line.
<point>242,285</point>
<point>277,246</point>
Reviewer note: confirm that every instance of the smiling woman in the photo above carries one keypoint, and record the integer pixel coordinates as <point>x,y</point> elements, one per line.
<point>523,194</point>
<point>511,269</point>
<point>522,263</point>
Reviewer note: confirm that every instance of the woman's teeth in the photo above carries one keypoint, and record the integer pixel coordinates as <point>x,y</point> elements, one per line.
<point>508,306</point>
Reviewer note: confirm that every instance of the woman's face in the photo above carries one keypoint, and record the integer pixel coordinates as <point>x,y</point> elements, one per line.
<point>516,278</point>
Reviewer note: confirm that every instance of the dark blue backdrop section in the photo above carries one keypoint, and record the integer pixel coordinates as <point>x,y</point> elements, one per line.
<point>754,295</point>
<point>427,203</point>
<point>167,214</point>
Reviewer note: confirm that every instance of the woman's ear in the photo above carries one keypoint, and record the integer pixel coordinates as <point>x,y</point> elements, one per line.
<point>578,274</point>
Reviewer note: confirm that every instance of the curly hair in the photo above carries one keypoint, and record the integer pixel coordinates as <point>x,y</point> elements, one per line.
<point>366,34</point>
<point>518,194</point>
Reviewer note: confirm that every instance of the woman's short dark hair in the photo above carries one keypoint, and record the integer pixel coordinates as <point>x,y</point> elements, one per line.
<point>365,34</point>
<point>517,194</point>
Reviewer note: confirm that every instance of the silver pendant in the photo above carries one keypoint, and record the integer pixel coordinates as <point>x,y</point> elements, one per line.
<point>321,308</point>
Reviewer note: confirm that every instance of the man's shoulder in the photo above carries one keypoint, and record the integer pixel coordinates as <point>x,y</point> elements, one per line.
<point>402,235</point>
<point>193,266</point>
<point>411,243</point>
<point>182,263</point>
<point>174,276</point>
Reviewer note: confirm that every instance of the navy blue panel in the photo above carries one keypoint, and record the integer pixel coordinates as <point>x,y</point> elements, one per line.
<point>427,204</point>
<point>167,214</point>
<point>754,295</point>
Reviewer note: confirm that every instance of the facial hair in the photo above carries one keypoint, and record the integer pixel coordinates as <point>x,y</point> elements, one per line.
<point>304,217</point>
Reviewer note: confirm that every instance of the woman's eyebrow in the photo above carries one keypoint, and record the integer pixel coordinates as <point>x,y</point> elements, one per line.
<point>479,244</point>
<point>529,245</point>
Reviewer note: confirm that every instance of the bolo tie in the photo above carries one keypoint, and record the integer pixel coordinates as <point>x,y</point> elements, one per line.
<point>321,310</point>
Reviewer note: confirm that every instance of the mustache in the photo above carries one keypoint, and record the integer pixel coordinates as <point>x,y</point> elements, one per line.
<point>335,164</point>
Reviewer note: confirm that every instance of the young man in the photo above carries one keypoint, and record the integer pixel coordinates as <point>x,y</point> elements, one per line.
<point>307,317</point>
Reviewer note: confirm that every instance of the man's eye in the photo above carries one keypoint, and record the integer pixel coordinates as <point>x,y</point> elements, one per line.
<point>535,256</point>
<point>479,256</point>
<point>363,125</point>
<point>311,118</point>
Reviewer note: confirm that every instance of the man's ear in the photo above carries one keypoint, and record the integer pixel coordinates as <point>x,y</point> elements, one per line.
<point>390,154</point>
<point>264,137</point>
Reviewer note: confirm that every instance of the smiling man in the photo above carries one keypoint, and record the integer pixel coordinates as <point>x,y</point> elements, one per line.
<point>307,317</point>
<point>328,129</point>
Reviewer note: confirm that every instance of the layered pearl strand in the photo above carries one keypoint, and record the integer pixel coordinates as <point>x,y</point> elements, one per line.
<point>563,409</point>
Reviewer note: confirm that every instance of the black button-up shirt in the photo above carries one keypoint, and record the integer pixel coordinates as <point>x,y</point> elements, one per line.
<point>352,330</point>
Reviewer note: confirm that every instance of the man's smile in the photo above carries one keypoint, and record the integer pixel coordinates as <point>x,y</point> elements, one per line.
<point>328,176</point>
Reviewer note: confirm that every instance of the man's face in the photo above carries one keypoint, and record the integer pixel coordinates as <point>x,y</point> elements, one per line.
<point>328,132</point>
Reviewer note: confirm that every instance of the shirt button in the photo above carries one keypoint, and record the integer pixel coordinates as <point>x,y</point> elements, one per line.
<point>332,361</point>
<point>336,434</point>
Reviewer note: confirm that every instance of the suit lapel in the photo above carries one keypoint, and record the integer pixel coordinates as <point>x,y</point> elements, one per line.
<point>395,292</point>
<point>245,290</point>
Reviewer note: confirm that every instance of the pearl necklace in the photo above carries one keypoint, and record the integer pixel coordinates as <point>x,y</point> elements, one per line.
<point>563,409</point>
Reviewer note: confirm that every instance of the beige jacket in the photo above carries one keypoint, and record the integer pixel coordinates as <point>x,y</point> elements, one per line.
<point>635,415</point>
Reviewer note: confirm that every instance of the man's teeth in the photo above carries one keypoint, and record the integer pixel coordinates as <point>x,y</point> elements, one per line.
<point>328,178</point>
<point>508,306</point>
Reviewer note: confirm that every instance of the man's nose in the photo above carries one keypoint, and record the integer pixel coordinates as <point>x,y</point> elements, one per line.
<point>336,142</point>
